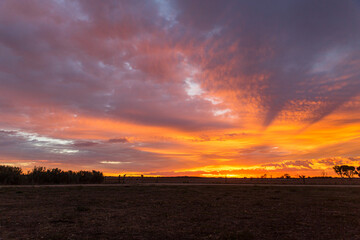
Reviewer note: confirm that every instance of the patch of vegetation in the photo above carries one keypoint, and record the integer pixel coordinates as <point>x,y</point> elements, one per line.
<point>10,175</point>
<point>41,175</point>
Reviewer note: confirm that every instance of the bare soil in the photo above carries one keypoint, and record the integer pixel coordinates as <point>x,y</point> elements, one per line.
<point>180,212</point>
<point>222,180</point>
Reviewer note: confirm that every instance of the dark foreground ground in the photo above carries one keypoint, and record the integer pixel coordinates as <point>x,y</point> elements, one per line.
<point>222,180</point>
<point>180,212</point>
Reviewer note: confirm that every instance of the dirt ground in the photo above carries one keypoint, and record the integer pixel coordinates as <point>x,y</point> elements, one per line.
<point>180,212</point>
<point>222,180</point>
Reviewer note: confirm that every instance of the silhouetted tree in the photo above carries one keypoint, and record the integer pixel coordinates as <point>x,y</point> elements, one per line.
<point>345,170</point>
<point>303,178</point>
<point>97,177</point>
<point>10,175</point>
<point>358,171</point>
<point>349,171</point>
<point>38,175</point>
<point>286,176</point>
<point>338,171</point>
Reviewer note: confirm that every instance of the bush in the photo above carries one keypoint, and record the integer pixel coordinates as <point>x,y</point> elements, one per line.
<point>37,175</point>
<point>41,175</point>
<point>10,175</point>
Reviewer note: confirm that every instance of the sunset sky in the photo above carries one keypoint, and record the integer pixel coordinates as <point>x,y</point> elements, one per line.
<point>174,88</point>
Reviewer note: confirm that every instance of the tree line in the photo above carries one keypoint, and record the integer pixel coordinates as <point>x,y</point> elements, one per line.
<point>41,175</point>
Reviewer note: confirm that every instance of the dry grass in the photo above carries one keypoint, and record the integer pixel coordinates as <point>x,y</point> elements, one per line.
<point>180,212</point>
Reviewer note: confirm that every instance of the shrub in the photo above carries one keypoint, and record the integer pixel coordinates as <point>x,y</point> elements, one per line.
<point>38,175</point>
<point>41,175</point>
<point>10,175</point>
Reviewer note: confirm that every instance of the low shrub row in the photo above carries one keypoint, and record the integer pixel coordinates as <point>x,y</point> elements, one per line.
<point>41,175</point>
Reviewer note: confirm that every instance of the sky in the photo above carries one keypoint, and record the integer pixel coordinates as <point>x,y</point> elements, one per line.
<point>175,88</point>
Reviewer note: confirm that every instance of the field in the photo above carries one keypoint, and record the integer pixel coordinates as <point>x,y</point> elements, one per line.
<point>222,180</point>
<point>180,212</point>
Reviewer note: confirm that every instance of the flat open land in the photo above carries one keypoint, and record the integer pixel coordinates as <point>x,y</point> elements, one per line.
<point>180,212</point>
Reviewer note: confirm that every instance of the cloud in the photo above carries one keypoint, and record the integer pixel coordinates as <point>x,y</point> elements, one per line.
<point>262,58</point>
<point>265,53</point>
<point>118,140</point>
<point>84,144</point>
<point>291,164</point>
<point>142,82</point>
<point>189,84</point>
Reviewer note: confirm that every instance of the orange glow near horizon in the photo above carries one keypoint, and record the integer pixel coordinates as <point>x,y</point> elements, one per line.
<point>212,153</point>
